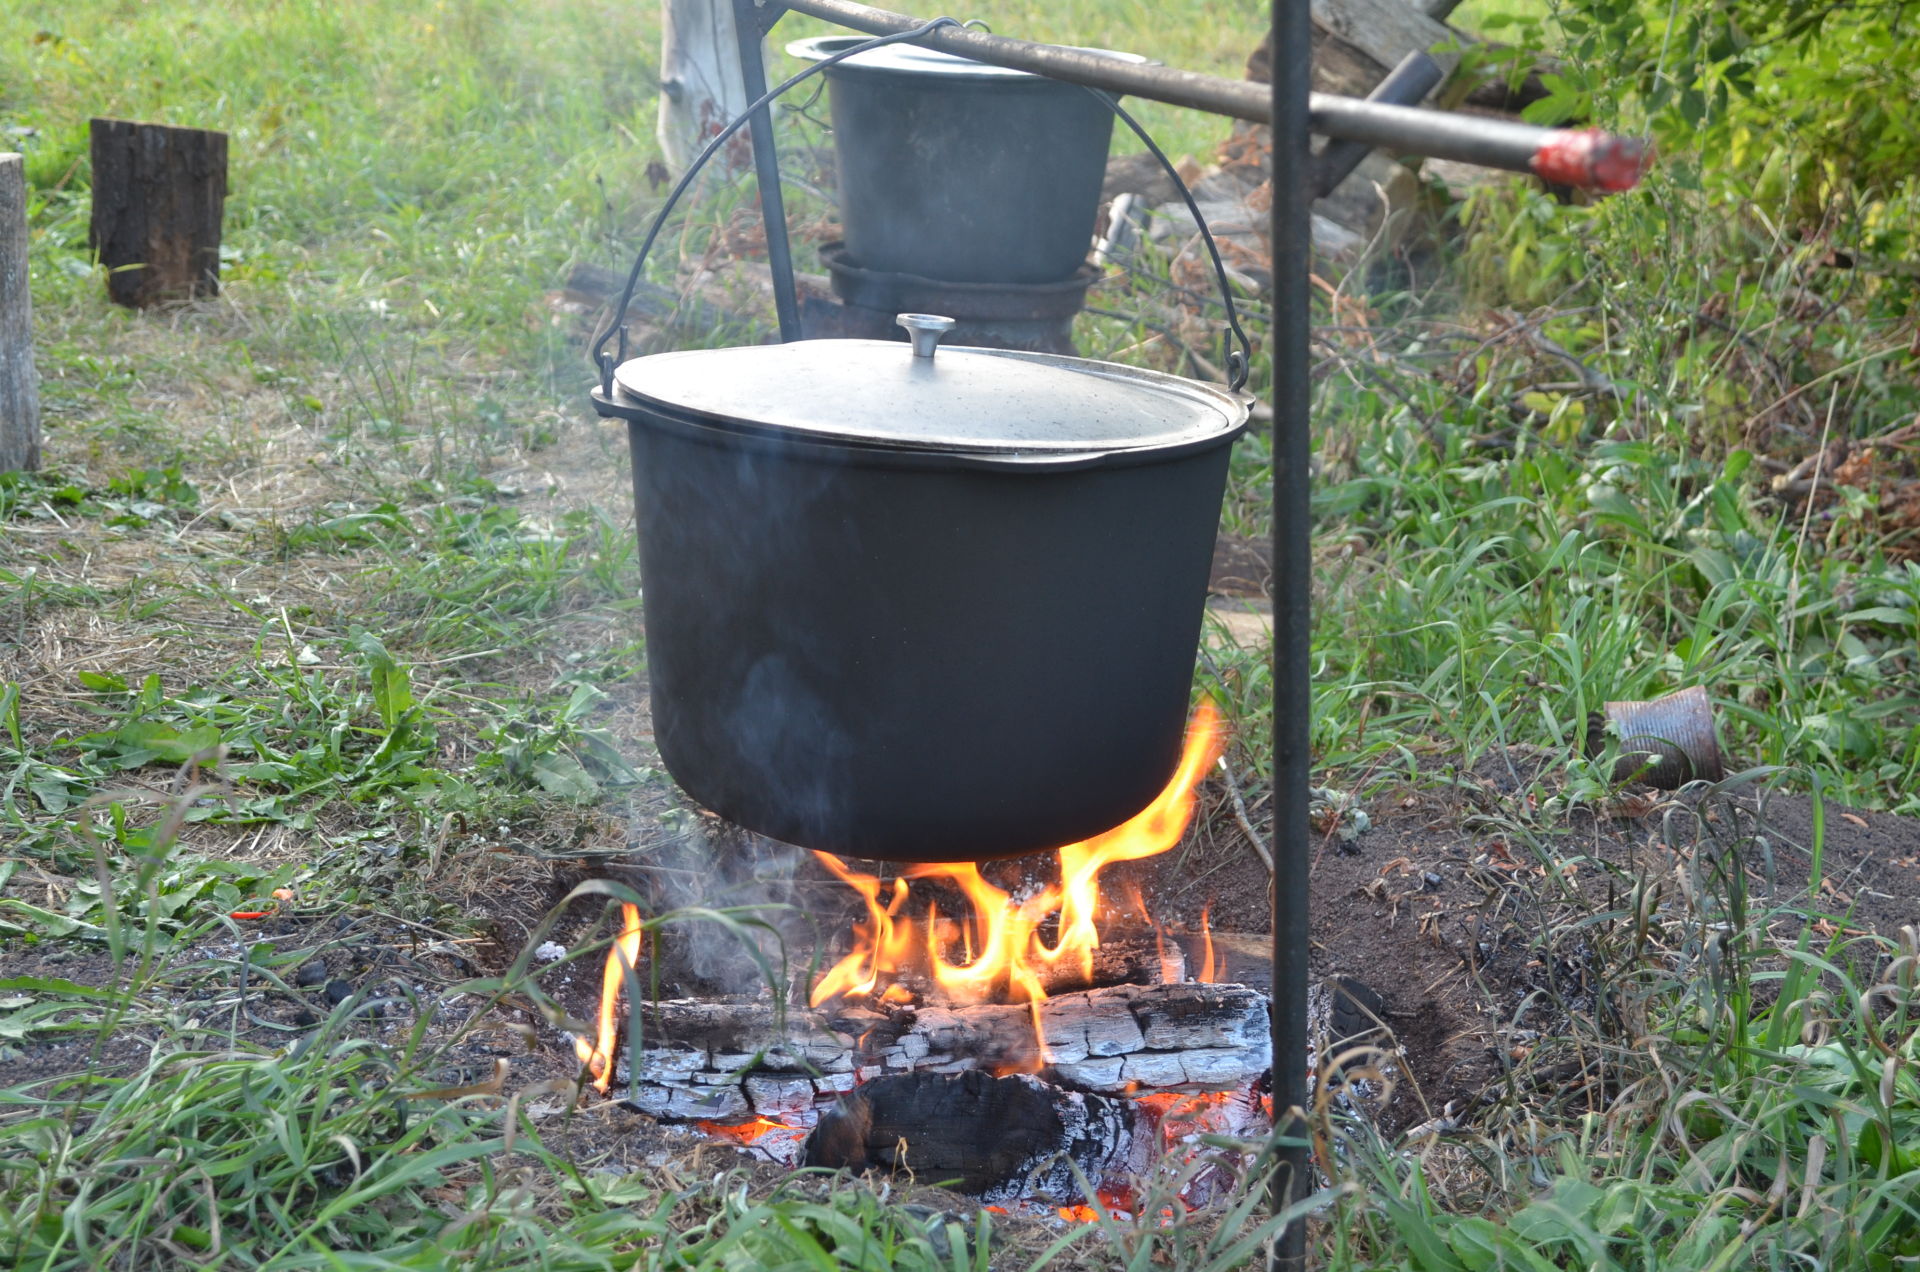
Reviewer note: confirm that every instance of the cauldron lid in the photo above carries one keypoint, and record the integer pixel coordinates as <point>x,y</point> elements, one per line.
<point>908,59</point>
<point>880,393</point>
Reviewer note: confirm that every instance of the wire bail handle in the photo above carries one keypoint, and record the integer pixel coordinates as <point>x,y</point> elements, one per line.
<point>1237,359</point>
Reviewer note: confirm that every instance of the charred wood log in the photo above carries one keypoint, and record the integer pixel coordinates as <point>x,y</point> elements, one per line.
<point>996,1137</point>
<point>722,1061</point>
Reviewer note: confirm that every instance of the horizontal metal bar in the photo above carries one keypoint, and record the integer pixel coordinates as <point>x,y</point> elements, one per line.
<point>1574,158</point>
<point>1240,99</point>
<point>1406,85</point>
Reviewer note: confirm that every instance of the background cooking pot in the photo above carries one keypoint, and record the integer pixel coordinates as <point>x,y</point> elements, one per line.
<point>955,170</point>
<point>921,607</point>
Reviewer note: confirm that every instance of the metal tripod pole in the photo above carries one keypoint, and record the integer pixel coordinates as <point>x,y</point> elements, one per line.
<point>1292,44</point>
<point>751,22</point>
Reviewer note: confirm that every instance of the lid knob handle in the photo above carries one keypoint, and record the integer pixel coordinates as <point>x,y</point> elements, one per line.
<point>925,331</point>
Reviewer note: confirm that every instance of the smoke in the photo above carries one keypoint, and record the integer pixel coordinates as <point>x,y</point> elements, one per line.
<point>725,868</point>
<point>741,539</point>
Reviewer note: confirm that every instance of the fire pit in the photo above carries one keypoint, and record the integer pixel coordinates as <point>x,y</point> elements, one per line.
<point>1012,1046</point>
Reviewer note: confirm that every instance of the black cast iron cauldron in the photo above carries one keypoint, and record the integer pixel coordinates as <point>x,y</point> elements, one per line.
<point>956,170</point>
<point>921,607</point>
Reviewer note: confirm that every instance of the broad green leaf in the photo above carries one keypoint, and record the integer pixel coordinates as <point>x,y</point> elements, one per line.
<point>45,921</point>
<point>51,791</point>
<point>165,742</point>
<point>392,685</point>
<point>561,774</point>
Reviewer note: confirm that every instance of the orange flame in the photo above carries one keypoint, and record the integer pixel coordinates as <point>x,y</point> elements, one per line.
<point>1003,954</point>
<point>1210,970</point>
<point>622,957</point>
<point>879,944</point>
<point>744,1133</point>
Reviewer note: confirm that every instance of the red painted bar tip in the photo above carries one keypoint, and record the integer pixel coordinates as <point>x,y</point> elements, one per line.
<point>1591,159</point>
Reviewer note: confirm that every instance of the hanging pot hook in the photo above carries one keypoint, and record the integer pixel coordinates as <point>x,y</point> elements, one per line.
<point>1239,360</point>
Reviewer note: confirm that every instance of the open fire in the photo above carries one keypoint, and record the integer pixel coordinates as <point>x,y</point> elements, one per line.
<point>1002,955</point>
<point>622,957</point>
<point>920,1028</point>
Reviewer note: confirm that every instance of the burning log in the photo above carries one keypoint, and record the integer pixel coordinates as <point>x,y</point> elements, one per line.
<point>730,1061</point>
<point>1001,1138</point>
<point>1118,960</point>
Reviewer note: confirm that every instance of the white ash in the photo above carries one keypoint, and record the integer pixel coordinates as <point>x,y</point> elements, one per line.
<point>1112,1041</point>
<point>1096,1136</point>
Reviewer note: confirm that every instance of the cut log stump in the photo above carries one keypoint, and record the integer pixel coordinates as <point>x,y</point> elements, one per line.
<point>159,194</point>
<point>19,389</point>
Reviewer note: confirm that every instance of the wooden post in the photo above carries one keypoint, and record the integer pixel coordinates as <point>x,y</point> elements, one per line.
<point>701,87</point>
<point>158,197</point>
<point>19,390</point>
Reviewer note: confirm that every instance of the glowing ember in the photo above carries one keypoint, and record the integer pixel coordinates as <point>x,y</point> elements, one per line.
<point>621,959</point>
<point>745,1132</point>
<point>1003,954</point>
<point>1109,1203</point>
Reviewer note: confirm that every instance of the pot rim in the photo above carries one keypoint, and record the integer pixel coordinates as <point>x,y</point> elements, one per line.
<point>803,448</point>
<point>856,393</point>
<point>923,65</point>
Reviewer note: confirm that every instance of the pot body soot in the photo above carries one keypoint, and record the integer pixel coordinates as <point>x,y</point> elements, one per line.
<point>862,641</point>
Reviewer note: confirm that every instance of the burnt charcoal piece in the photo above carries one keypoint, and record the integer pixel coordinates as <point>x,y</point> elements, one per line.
<point>972,1131</point>
<point>1356,1016</point>
<point>311,974</point>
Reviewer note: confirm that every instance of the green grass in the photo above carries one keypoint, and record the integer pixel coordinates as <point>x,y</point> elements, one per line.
<point>343,556</point>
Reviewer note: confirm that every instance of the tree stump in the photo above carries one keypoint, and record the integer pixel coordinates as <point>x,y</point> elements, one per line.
<point>159,194</point>
<point>19,389</point>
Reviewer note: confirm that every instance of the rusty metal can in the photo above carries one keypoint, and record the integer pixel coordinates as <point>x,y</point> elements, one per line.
<point>1666,742</point>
